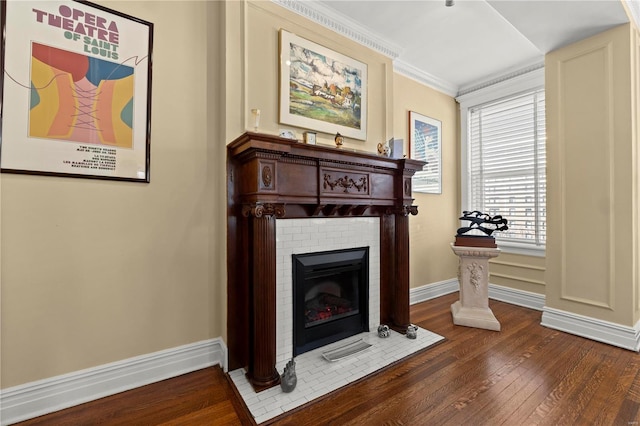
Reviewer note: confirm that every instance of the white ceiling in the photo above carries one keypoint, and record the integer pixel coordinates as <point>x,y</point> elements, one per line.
<point>456,48</point>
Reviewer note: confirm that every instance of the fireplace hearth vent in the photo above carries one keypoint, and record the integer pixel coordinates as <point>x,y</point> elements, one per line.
<point>344,351</point>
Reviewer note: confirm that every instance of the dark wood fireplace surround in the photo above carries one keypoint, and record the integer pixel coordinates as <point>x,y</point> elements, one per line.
<point>270,178</point>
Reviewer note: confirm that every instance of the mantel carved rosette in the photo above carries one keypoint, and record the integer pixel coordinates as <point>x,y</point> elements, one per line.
<point>402,211</point>
<point>262,210</point>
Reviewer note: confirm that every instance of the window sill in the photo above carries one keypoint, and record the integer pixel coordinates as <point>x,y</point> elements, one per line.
<point>522,249</point>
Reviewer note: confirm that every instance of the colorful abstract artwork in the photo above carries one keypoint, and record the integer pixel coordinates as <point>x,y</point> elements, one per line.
<point>322,89</point>
<point>79,98</point>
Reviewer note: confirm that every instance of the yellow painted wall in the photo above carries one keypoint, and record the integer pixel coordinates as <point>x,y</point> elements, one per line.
<point>635,113</point>
<point>434,228</point>
<point>216,154</point>
<point>592,202</point>
<point>98,271</point>
<point>519,272</point>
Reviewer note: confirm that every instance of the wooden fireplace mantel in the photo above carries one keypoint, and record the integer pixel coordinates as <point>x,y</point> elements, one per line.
<point>270,178</point>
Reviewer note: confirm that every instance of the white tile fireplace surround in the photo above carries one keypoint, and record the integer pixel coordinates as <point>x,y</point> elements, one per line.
<point>317,376</point>
<point>300,236</point>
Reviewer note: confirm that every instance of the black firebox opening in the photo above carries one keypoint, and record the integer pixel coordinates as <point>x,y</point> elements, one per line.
<point>330,297</point>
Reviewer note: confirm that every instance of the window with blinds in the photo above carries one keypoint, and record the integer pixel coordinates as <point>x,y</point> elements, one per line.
<point>507,162</point>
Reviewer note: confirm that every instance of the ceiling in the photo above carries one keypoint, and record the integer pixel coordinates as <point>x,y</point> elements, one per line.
<point>457,48</point>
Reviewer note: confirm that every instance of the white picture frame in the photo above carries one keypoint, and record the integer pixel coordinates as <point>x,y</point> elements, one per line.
<point>425,144</point>
<point>321,89</point>
<point>310,138</point>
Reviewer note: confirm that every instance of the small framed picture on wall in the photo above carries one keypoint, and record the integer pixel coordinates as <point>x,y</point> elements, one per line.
<point>425,144</point>
<point>310,138</point>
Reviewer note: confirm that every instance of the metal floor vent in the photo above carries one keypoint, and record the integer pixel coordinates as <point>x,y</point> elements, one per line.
<point>346,350</point>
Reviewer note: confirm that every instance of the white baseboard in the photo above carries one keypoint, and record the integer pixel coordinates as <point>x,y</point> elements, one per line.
<point>46,396</point>
<point>497,292</point>
<point>592,328</point>
<point>513,296</point>
<point>433,290</point>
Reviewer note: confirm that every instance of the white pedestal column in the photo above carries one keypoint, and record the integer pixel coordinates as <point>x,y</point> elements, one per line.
<point>472,310</point>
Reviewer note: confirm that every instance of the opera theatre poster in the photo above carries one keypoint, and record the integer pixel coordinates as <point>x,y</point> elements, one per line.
<point>76,91</point>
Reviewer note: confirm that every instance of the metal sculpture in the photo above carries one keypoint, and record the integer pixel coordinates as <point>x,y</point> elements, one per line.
<point>482,222</point>
<point>289,379</point>
<point>412,331</point>
<point>383,331</point>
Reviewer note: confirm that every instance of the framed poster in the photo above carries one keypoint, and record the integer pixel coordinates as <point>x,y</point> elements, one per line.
<point>75,92</point>
<point>425,143</point>
<point>321,89</point>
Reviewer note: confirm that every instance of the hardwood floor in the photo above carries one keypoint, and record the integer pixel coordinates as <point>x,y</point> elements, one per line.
<point>525,374</point>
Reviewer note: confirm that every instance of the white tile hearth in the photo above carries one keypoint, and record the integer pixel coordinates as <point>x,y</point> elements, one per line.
<point>299,236</point>
<point>318,377</point>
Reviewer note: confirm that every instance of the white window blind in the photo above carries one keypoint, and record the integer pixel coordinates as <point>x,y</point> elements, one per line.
<point>507,163</point>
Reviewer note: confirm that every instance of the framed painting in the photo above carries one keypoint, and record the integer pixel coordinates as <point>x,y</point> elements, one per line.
<point>320,89</point>
<point>75,91</point>
<point>425,144</point>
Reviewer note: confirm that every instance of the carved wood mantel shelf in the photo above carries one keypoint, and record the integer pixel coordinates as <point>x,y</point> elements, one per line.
<point>271,178</point>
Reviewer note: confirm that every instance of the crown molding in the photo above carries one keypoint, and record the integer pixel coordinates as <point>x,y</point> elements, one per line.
<point>490,81</point>
<point>634,8</point>
<point>522,82</point>
<point>425,78</point>
<point>341,25</point>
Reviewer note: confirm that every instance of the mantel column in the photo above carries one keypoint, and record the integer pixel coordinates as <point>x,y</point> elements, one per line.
<point>261,372</point>
<point>394,241</point>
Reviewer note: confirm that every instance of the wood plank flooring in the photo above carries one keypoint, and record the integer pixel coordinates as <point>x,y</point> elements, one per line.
<point>525,374</point>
